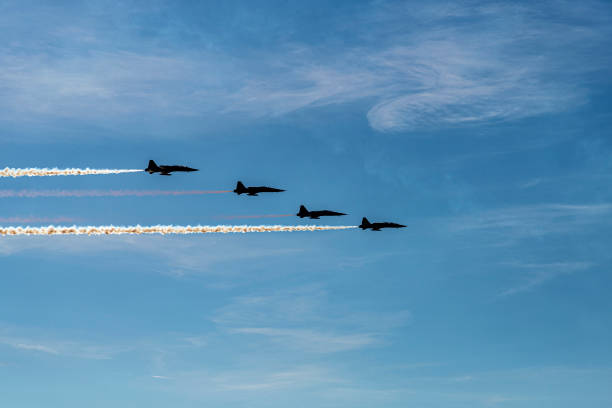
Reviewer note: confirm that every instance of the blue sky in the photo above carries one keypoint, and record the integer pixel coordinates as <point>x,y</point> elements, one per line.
<point>482,126</point>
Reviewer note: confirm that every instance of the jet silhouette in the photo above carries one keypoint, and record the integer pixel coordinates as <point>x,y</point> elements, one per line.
<point>165,170</point>
<point>376,226</point>
<point>316,214</point>
<point>253,191</point>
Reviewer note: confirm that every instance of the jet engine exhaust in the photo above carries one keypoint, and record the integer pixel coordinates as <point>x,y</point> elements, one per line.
<point>163,229</point>
<point>234,217</point>
<point>103,193</point>
<point>36,172</point>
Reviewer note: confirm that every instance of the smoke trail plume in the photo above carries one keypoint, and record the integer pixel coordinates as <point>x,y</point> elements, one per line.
<point>103,193</point>
<point>163,229</point>
<point>234,217</point>
<point>32,172</point>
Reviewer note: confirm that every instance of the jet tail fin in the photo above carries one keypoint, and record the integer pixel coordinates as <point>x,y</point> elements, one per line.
<point>303,211</point>
<point>365,224</point>
<point>240,188</point>
<point>153,167</point>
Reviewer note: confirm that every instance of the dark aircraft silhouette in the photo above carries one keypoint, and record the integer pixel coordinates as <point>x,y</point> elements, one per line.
<point>316,214</point>
<point>253,191</point>
<point>164,170</point>
<point>376,226</point>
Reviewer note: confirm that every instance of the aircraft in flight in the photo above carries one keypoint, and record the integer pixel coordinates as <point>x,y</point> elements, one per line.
<point>316,214</point>
<point>376,226</point>
<point>253,191</point>
<point>165,170</point>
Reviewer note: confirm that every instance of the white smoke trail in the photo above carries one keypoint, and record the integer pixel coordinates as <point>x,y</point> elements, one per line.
<point>163,229</point>
<point>103,193</point>
<point>235,217</point>
<point>32,172</point>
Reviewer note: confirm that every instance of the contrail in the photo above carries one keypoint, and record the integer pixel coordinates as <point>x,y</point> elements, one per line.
<point>32,172</point>
<point>103,193</point>
<point>233,217</point>
<point>163,229</point>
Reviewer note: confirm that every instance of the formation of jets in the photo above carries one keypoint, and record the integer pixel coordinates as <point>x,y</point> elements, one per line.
<point>165,170</point>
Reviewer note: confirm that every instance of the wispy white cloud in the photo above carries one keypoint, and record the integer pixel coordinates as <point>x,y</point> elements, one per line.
<point>536,220</point>
<point>180,257</point>
<point>411,65</point>
<point>196,341</point>
<point>491,62</point>
<point>525,386</point>
<point>105,83</point>
<point>296,377</point>
<point>331,387</point>
<point>532,183</point>
<point>304,304</point>
<point>539,274</point>
<point>29,346</point>
<point>311,340</point>
<point>303,319</point>
<point>66,348</point>
<point>245,382</point>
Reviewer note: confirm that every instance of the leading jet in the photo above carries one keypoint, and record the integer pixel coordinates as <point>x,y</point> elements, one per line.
<point>165,170</point>
<point>376,226</point>
<point>314,215</point>
<point>253,191</point>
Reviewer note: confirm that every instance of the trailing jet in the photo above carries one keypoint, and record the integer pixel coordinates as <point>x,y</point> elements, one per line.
<point>253,191</point>
<point>376,226</point>
<point>165,170</point>
<point>316,214</point>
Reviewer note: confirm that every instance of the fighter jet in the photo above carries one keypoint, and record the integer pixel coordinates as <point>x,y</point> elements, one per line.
<point>365,224</point>
<point>316,214</point>
<point>253,191</point>
<point>165,170</point>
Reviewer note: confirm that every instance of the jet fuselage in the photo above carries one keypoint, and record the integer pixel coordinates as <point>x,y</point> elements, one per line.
<point>316,214</point>
<point>377,226</point>
<point>165,170</point>
<point>253,191</point>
